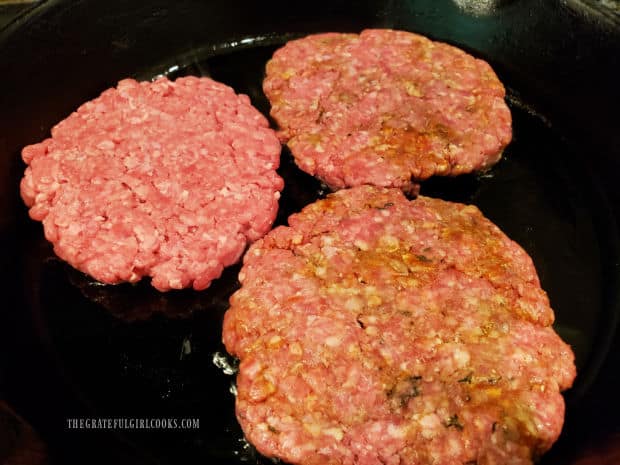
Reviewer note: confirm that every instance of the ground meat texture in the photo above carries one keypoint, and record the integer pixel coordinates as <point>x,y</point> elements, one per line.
<point>378,330</point>
<point>385,107</point>
<point>162,179</point>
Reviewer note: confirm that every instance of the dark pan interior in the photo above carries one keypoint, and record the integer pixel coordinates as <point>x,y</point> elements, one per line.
<point>79,349</point>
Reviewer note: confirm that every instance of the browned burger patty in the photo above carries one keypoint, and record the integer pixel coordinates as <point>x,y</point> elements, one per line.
<point>377,330</point>
<point>386,108</point>
<point>162,179</point>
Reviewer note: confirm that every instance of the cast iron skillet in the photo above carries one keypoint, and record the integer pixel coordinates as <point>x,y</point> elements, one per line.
<point>75,349</point>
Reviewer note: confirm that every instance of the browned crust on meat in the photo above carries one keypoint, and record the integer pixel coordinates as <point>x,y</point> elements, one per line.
<point>385,107</point>
<point>380,330</point>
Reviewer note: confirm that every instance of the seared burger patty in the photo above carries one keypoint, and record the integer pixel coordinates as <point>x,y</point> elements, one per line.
<point>386,108</point>
<point>378,330</point>
<point>162,179</point>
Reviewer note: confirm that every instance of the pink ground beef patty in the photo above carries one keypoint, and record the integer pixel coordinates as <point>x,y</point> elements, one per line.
<point>385,107</point>
<point>378,330</point>
<point>163,179</point>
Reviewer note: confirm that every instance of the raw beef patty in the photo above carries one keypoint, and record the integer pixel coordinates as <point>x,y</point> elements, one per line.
<point>378,330</point>
<point>385,107</point>
<point>162,179</point>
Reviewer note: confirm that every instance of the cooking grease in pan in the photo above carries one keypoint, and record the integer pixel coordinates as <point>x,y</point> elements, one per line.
<point>122,356</point>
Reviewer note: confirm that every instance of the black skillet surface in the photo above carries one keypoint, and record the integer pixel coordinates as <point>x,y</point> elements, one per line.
<point>77,349</point>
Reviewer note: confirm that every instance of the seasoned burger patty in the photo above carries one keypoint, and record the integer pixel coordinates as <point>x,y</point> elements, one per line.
<point>386,108</point>
<point>377,330</point>
<point>162,179</point>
